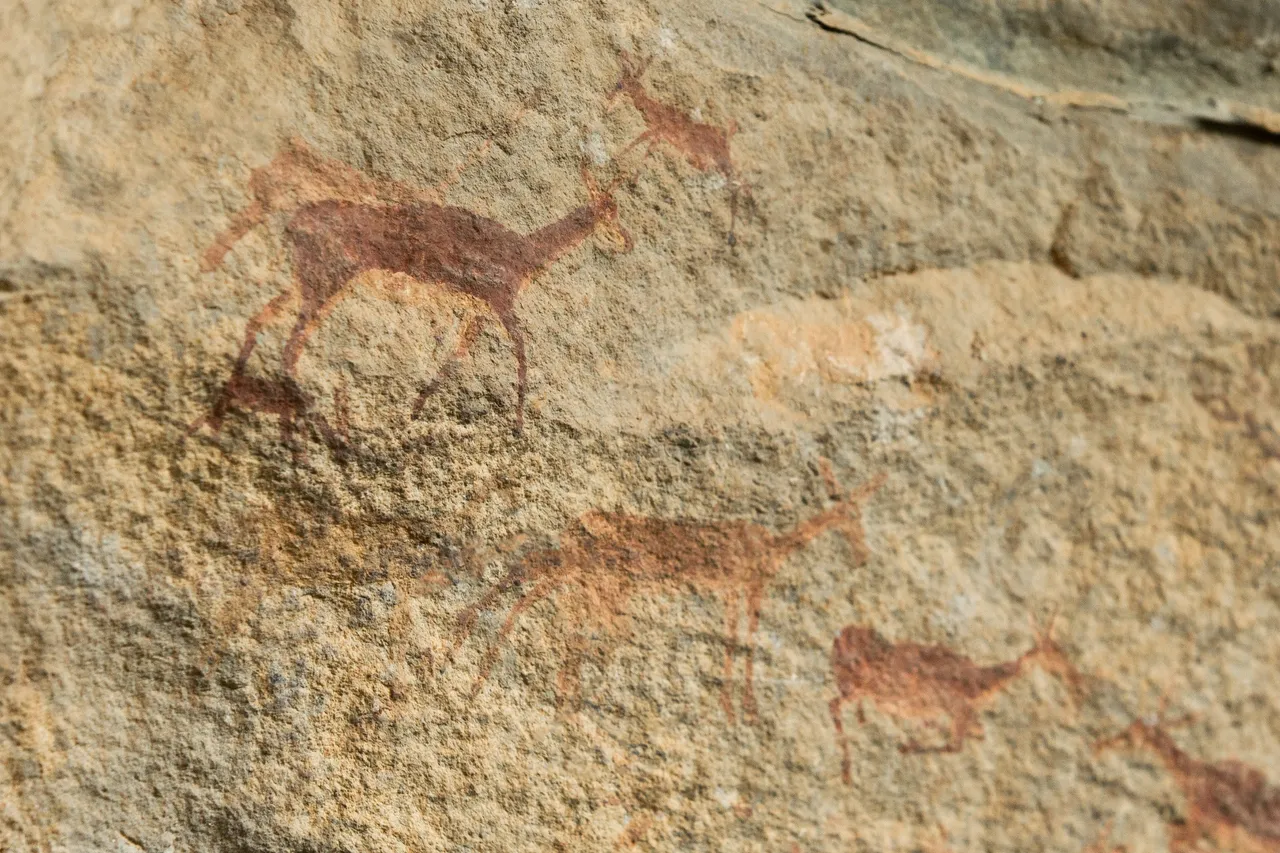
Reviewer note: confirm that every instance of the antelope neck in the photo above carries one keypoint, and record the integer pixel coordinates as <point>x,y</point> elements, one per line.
<point>811,528</point>
<point>548,243</point>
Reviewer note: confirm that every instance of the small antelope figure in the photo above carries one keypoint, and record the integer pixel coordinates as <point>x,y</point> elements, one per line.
<point>436,247</point>
<point>609,557</point>
<point>704,146</point>
<point>1229,804</point>
<point>913,681</point>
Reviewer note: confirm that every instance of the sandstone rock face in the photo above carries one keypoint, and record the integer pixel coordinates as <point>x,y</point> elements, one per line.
<point>540,425</point>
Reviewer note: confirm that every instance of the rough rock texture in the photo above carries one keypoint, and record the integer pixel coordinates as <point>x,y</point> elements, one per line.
<point>898,470</point>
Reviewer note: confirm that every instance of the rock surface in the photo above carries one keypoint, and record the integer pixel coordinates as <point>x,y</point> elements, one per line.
<point>910,370</point>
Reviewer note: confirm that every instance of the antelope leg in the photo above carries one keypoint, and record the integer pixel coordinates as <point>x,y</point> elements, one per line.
<point>730,638</point>
<point>241,224</point>
<point>754,596</point>
<point>466,340</point>
<point>466,621</point>
<point>213,418</point>
<point>646,137</point>
<point>512,326</point>
<point>540,590</point>
<point>569,679</point>
<point>262,318</point>
<point>842,740</point>
<point>307,323</point>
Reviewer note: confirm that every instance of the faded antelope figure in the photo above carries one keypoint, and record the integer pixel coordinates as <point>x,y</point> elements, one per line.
<point>298,176</point>
<point>609,558</point>
<point>704,146</point>
<point>436,247</point>
<point>1228,803</point>
<point>913,681</point>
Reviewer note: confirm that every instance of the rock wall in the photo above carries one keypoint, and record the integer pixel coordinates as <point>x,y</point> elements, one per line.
<point>531,424</point>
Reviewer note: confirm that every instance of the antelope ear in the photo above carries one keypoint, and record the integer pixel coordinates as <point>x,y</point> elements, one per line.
<point>829,477</point>
<point>593,188</point>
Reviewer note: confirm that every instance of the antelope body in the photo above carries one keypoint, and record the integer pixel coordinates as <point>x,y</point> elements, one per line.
<point>704,146</point>
<point>927,682</point>
<point>1228,803</point>
<point>608,558</point>
<point>334,241</point>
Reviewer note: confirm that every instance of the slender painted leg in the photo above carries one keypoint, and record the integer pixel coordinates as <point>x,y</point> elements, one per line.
<point>754,596</point>
<point>446,372</point>
<point>730,638</point>
<point>516,334</point>
<point>842,741</point>
<point>214,417</point>
<point>541,590</point>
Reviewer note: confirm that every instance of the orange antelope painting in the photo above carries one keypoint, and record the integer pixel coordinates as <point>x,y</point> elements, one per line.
<point>1228,803</point>
<point>343,224</point>
<point>704,146</point>
<point>914,681</point>
<point>608,558</point>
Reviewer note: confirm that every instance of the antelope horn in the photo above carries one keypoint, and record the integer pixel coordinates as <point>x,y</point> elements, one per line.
<point>593,188</point>
<point>829,477</point>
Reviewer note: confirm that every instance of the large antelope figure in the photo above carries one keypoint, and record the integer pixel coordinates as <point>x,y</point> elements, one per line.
<point>343,224</point>
<point>1228,803</point>
<point>608,558</point>
<point>704,146</point>
<point>909,680</point>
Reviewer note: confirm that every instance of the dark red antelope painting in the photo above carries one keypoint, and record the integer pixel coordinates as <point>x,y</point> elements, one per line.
<point>1228,804</point>
<point>342,224</point>
<point>928,682</point>
<point>608,558</point>
<point>704,146</point>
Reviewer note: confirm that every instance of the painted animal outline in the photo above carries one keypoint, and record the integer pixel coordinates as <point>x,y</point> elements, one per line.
<point>704,146</point>
<point>344,224</point>
<point>914,681</point>
<point>1227,802</point>
<point>611,557</point>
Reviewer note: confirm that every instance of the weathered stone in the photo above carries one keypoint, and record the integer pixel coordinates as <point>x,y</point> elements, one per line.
<point>684,426</point>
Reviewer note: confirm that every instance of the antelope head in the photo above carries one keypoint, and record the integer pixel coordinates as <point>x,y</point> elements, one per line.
<point>604,209</point>
<point>849,506</point>
<point>858,648</point>
<point>632,71</point>
<point>1049,656</point>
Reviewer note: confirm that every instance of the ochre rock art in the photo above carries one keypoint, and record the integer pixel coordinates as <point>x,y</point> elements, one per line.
<point>704,146</point>
<point>343,225</point>
<point>609,558</point>
<point>914,681</point>
<point>1102,844</point>
<point>1228,803</point>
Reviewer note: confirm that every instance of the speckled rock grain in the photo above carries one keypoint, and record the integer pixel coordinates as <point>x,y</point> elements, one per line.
<point>858,335</point>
